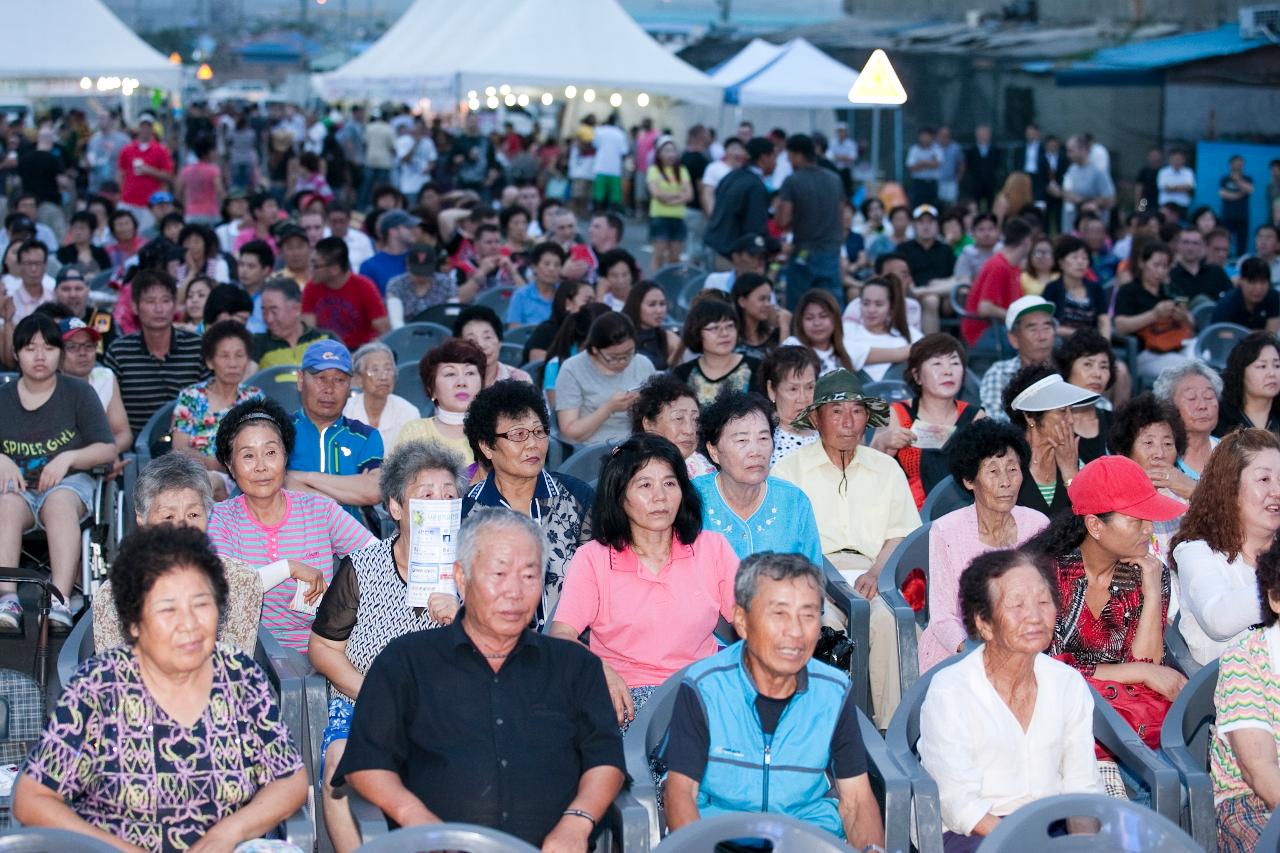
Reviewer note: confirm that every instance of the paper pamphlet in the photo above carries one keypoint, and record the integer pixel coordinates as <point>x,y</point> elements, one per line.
<point>433,537</point>
<point>931,436</point>
<point>299,602</point>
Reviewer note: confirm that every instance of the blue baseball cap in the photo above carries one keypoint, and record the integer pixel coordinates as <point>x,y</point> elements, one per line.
<point>161,197</point>
<point>327,355</point>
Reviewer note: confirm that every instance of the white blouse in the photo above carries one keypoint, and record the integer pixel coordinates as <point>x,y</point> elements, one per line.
<point>395,415</point>
<point>1219,599</point>
<point>984,763</point>
<point>859,342</point>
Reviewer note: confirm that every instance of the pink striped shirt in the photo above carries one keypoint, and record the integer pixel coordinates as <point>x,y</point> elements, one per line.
<point>314,530</point>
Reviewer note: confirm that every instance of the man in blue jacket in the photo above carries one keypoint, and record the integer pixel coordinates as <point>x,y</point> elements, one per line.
<point>756,727</point>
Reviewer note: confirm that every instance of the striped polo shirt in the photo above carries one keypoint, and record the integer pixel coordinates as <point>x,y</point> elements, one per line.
<point>313,530</point>
<point>147,383</point>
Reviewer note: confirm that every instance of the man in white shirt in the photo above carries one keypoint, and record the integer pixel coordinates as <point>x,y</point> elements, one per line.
<point>416,155</point>
<point>844,151</point>
<point>612,146</point>
<point>1176,182</point>
<point>924,163</point>
<point>735,154</point>
<point>32,285</point>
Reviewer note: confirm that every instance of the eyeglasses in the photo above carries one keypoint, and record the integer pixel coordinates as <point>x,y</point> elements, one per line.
<point>621,358</point>
<point>520,435</point>
<point>379,372</point>
<point>723,328</point>
<point>79,349</point>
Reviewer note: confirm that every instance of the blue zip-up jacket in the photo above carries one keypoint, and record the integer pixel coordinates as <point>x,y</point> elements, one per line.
<point>749,772</point>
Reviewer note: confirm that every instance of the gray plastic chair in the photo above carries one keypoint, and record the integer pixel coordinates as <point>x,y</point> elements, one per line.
<point>1216,342</point>
<point>442,315</point>
<point>1270,839</point>
<point>156,438</point>
<point>911,553</point>
<point>511,353</point>
<point>672,278</point>
<point>29,839</point>
<point>1184,740</point>
<point>462,837</point>
<point>786,834</point>
<point>280,384</point>
<point>409,386</point>
<point>586,461</point>
<point>890,390</point>
<point>498,299</point>
<point>411,341</point>
<point>1124,826</point>
<point>947,496</point>
<point>519,335</point>
<point>857,610</point>
<point>1175,646</point>
<point>971,392</point>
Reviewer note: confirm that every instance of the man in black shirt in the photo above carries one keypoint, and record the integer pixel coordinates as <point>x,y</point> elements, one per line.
<point>742,201</point>
<point>763,704</point>
<point>982,167</point>
<point>1252,303</point>
<point>485,721</point>
<point>932,264</point>
<point>695,161</point>
<point>1191,277</point>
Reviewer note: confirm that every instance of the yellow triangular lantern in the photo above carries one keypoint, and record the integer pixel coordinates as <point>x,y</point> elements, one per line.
<point>878,83</point>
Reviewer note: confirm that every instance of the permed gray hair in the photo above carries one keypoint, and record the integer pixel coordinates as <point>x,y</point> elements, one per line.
<point>371,348</point>
<point>1166,384</point>
<point>171,473</point>
<point>411,458</point>
<point>774,566</point>
<point>484,519</point>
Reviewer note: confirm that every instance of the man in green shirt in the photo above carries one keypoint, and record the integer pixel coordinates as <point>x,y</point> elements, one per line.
<point>287,337</point>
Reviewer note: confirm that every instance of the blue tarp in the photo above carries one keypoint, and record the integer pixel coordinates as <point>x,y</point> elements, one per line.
<point>1143,63</point>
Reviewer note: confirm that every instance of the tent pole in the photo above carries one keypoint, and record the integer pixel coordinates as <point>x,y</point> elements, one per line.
<point>897,144</point>
<point>875,144</point>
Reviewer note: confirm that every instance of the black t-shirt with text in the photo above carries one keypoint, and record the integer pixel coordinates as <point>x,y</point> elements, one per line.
<point>72,418</point>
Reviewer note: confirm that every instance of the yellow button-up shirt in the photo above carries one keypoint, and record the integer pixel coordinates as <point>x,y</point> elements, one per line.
<point>876,504</point>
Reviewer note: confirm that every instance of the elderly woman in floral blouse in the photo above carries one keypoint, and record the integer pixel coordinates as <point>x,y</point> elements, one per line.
<point>226,349</point>
<point>136,750</point>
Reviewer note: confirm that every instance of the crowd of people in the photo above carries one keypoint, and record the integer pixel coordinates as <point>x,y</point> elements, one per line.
<point>771,422</point>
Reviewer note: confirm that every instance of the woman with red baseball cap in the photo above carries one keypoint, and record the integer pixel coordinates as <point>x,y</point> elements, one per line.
<point>1114,594</point>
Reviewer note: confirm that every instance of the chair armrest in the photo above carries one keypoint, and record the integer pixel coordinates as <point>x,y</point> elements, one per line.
<point>299,830</point>
<point>627,821</point>
<point>857,610</point>
<point>904,627</point>
<point>370,821</point>
<point>925,800</point>
<point>71,653</point>
<point>641,793</point>
<point>894,784</point>
<point>1111,730</point>
<point>1201,817</point>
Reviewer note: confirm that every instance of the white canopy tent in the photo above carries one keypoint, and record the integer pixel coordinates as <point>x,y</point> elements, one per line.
<point>435,48</point>
<point>798,76</point>
<point>756,55</point>
<point>53,45</point>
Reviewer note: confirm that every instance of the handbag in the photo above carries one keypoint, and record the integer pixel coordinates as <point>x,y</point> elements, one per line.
<point>1142,708</point>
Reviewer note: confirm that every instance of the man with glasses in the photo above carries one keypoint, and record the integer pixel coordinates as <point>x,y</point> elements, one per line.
<point>287,337</point>
<point>508,428</point>
<point>33,284</point>
<point>333,454</point>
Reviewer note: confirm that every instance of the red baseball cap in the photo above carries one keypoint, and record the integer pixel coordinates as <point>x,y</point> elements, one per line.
<point>1118,484</point>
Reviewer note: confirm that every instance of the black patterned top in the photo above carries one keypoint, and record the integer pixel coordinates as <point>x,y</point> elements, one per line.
<point>365,606</point>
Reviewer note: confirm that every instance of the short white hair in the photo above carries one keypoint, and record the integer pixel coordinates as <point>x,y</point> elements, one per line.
<point>484,519</point>
<point>1166,384</point>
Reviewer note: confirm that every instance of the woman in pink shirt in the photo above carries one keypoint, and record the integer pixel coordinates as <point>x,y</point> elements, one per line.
<point>200,187</point>
<point>653,585</point>
<point>987,458</point>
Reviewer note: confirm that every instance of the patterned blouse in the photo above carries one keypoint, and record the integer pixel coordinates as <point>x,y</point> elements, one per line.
<point>1085,641</point>
<point>562,508</point>
<point>193,417</point>
<point>707,389</point>
<point>1247,697</point>
<point>785,441</point>
<point>126,767</point>
<point>365,606</point>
